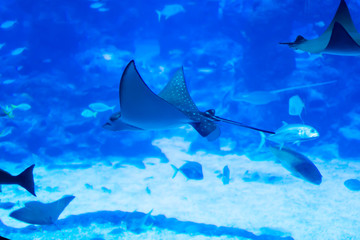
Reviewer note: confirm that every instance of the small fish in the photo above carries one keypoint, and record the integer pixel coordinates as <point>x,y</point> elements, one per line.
<point>296,106</point>
<point>9,81</point>
<point>7,205</point>
<point>148,191</point>
<point>8,111</point>
<point>191,170</point>
<point>96,5</point>
<point>105,190</point>
<point>8,24</point>
<point>6,131</point>
<point>352,184</point>
<point>107,56</point>
<point>103,9</point>
<point>2,45</point>
<point>170,10</point>
<point>18,51</point>
<point>291,133</point>
<point>22,107</point>
<point>225,175</point>
<point>299,165</point>
<point>206,70</point>
<point>100,107</point>
<point>88,113</point>
<point>24,179</point>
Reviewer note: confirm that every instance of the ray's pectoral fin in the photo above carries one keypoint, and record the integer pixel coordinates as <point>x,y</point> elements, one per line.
<point>341,40</point>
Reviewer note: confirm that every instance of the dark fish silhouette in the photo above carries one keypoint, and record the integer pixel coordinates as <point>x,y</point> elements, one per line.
<point>191,170</point>
<point>141,109</point>
<point>299,165</point>
<point>225,175</point>
<point>340,38</point>
<point>24,179</point>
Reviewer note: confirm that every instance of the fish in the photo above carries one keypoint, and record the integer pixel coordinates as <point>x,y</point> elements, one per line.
<point>340,37</point>
<point>191,170</point>
<point>100,107</point>
<point>9,81</point>
<point>24,179</point>
<point>8,24</point>
<point>352,184</point>
<point>18,51</point>
<point>7,205</point>
<point>2,45</point>
<point>22,107</point>
<point>142,109</point>
<point>96,5</point>
<point>39,213</point>
<point>291,133</point>
<point>88,113</point>
<point>8,111</point>
<point>265,97</point>
<point>296,106</point>
<point>5,132</point>
<point>170,10</point>
<point>299,165</point>
<point>225,175</point>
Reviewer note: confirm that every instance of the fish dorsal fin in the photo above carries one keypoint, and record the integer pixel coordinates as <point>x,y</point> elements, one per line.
<point>343,17</point>
<point>141,107</point>
<point>341,40</point>
<point>284,123</point>
<point>176,93</point>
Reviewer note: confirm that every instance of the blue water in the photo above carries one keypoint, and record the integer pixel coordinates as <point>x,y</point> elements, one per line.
<point>72,53</point>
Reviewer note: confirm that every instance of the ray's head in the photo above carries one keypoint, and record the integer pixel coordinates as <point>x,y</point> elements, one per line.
<point>113,121</point>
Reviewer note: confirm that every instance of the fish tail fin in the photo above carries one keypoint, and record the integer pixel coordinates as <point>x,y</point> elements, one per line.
<point>219,175</point>
<point>175,169</point>
<point>13,106</point>
<point>95,113</point>
<point>112,108</point>
<point>26,179</point>
<point>262,141</point>
<point>159,14</point>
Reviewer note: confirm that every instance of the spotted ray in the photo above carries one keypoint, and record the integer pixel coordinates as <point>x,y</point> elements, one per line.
<point>340,38</point>
<point>141,109</point>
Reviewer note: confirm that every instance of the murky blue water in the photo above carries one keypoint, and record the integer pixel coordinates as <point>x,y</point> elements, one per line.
<point>59,57</point>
